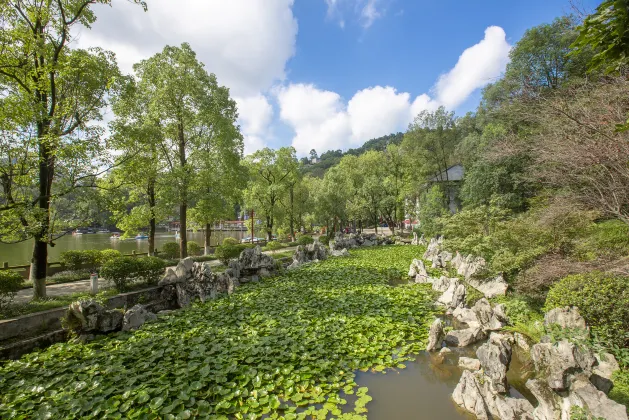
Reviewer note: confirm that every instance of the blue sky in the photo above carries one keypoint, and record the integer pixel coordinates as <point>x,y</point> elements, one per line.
<point>331,74</point>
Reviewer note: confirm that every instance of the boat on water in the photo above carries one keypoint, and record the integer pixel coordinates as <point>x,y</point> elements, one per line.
<point>102,231</point>
<point>115,236</point>
<point>140,236</point>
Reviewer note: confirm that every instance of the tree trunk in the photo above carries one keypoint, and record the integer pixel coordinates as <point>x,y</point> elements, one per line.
<point>183,205</point>
<point>375,218</point>
<point>39,262</point>
<point>152,221</point>
<point>292,218</point>
<point>208,235</point>
<point>269,229</point>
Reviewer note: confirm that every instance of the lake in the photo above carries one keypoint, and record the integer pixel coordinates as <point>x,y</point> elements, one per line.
<point>20,253</point>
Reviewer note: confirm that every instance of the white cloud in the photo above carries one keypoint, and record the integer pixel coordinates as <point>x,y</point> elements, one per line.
<point>477,66</point>
<point>367,11</point>
<point>255,116</point>
<point>323,121</point>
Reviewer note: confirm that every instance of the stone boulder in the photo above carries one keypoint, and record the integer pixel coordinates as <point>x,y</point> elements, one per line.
<point>568,317</point>
<point>490,287</point>
<point>135,317</point>
<point>550,405</point>
<point>435,335</point>
<point>311,253</point>
<point>469,363</point>
<point>602,373</point>
<point>442,283</point>
<point>471,266</point>
<point>342,253</point>
<point>456,260</point>
<point>562,363</point>
<point>89,316</point>
<point>433,249</point>
<point>495,357</point>
<point>253,262</point>
<point>417,268</point>
<point>418,240</point>
<point>464,338</point>
<point>454,296</point>
<point>584,394</point>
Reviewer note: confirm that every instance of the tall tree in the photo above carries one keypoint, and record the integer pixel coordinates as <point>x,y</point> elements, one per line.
<point>59,89</point>
<point>269,174</point>
<point>191,108</point>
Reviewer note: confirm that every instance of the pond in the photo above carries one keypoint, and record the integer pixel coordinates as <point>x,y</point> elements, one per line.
<point>20,253</point>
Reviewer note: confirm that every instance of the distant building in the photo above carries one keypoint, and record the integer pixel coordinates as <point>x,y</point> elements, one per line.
<point>450,180</point>
<point>314,160</point>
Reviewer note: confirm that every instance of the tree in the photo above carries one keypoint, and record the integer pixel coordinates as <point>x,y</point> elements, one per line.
<point>269,174</point>
<point>192,109</point>
<point>59,91</point>
<point>313,154</point>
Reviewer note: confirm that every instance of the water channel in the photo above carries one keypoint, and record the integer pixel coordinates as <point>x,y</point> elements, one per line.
<point>20,253</point>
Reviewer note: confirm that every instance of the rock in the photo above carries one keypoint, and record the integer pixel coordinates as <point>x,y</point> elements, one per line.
<point>522,341</point>
<point>488,287</point>
<point>550,405</point>
<point>135,317</point>
<point>463,338</point>
<point>454,296</point>
<point>444,351</point>
<point>184,268</point>
<point>468,395</point>
<point>603,371</point>
<point>342,253</point>
<point>437,262</point>
<point>469,363</point>
<point>584,394</point>
<point>233,269</point>
<point>445,257</point>
<point>417,268</point>
<point>367,242</point>
<point>568,317</point>
<point>252,260</point>
<point>91,316</point>
<point>495,357</point>
<point>562,362</point>
<point>483,311</point>
<point>415,240</point>
<point>467,316</point>
<point>433,249</point>
<point>169,278</point>
<point>435,335</point>
<point>501,313</point>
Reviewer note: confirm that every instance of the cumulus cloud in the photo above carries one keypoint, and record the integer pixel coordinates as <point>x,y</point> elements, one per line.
<point>323,120</point>
<point>255,116</point>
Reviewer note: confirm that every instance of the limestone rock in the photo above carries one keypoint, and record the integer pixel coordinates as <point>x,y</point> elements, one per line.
<point>417,268</point>
<point>463,338</point>
<point>469,363</point>
<point>488,287</point>
<point>562,362</point>
<point>456,260</point>
<point>483,311</point>
<point>454,296</point>
<point>468,395</point>
<point>603,371</point>
<point>342,253</point>
<point>467,316</point>
<point>135,317</point>
<point>522,341</point>
<point>584,394</point>
<point>91,316</point>
<point>441,284</point>
<point>568,317</point>
<point>435,335</point>
<point>550,405</point>
<point>495,357</point>
<point>169,278</point>
<point>444,351</point>
<point>252,260</point>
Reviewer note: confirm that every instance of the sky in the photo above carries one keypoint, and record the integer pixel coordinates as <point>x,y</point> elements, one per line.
<point>330,74</point>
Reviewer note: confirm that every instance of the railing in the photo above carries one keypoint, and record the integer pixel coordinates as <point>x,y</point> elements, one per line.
<point>57,266</point>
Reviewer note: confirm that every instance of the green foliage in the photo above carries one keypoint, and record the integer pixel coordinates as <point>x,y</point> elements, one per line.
<point>602,299</point>
<point>431,208</point>
<point>230,241</point>
<point>225,253</point>
<point>620,391</point>
<point>324,239</point>
<point>10,284</point>
<point>608,239</point>
<point>273,246</point>
<point>472,295</point>
<point>107,255</point>
<point>74,260</point>
<point>170,250</point>
<point>580,413</point>
<point>293,243</point>
<point>193,248</point>
<point>125,270</point>
<point>341,307</point>
<point>305,240</point>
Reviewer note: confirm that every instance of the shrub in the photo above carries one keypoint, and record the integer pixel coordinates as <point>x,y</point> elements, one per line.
<point>108,255</point>
<point>75,259</point>
<point>170,250</point>
<point>150,269</point>
<point>273,246</point>
<point>230,241</point>
<point>193,248</point>
<point>305,240</point>
<point>324,239</point>
<point>120,271</point>
<point>608,239</point>
<point>226,252</point>
<point>10,284</point>
<point>602,299</point>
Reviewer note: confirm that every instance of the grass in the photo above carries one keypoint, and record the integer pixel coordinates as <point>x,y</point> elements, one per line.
<point>287,346</point>
<point>620,391</point>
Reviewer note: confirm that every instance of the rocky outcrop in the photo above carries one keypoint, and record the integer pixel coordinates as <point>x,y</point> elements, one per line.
<point>358,240</point>
<point>311,253</point>
<point>89,316</point>
<point>435,335</point>
<point>255,265</point>
<point>342,253</point>
<point>495,357</point>
<point>490,287</point>
<point>418,240</point>
<point>433,249</point>
<point>602,373</point>
<point>417,269</point>
<point>190,281</point>
<point>454,296</point>
<point>562,363</point>
<point>464,338</point>
<point>568,317</point>
<point>135,317</point>
<point>469,363</point>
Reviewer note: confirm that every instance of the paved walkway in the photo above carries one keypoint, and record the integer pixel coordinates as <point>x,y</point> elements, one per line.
<point>83,286</point>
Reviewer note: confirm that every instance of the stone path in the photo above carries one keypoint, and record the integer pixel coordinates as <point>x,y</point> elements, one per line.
<point>82,286</point>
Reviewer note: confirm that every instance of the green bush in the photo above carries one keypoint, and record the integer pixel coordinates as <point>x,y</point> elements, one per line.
<point>608,239</point>
<point>193,248</point>
<point>75,259</point>
<point>602,299</point>
<point>227,252</point>
<point>108,255</point>
<point>230,241</point>
<point>293,243</point>
<point>10,284</point>
<point>324,239</point>
<point>305,240</point>
<point>150,269</point>
<point>170,250</point>
<point>120,271</point>
<point>273,246</point>
<point>620,391</point>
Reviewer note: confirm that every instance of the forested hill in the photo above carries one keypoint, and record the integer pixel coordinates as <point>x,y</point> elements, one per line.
<point>333,157</point>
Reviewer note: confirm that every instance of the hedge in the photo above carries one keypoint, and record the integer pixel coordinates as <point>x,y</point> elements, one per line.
<point>10,284</point>
<point>125,270</point>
